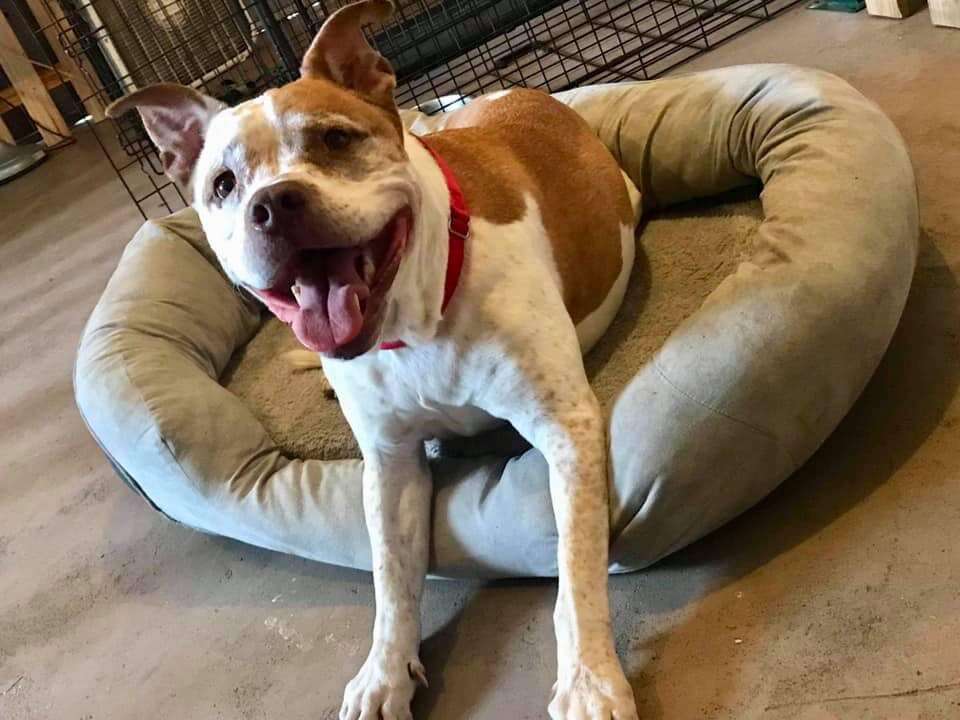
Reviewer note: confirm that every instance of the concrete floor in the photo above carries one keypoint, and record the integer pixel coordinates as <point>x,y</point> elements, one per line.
<point>838,597</point>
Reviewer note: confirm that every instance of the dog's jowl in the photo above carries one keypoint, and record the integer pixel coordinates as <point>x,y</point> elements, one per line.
<point>446,283</point>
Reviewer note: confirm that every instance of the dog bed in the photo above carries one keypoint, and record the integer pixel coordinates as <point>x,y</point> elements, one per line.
<point>703,423</point>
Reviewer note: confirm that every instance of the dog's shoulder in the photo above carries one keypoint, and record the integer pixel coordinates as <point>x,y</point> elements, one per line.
<point>510,148</point>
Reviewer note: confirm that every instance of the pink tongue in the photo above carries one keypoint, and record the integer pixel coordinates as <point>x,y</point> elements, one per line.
<point>330,296</point>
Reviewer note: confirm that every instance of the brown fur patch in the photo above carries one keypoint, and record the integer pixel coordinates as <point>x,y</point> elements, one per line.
<point>320,96</point>
<point>260,139</point>
<point>528,143</point>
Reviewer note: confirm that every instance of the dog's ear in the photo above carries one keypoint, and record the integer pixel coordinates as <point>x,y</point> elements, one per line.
<point>176,118</point>
<point>341,53</point>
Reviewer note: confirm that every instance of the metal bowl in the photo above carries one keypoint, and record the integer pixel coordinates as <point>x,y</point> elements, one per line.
<point>18,159</point>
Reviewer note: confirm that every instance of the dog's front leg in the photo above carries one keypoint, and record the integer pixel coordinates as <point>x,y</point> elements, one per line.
<point>590,682</point>
<point>396,503</point>
<point>547,398</point>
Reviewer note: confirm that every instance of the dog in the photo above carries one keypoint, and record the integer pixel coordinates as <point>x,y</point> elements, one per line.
<point>446,283</point>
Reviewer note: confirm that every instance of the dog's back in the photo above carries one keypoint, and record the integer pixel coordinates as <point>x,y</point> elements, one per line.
<point>522,144</point>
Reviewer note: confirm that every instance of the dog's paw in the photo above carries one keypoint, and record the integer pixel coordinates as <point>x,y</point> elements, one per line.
<point>601,693</point>
<point>383,688</point>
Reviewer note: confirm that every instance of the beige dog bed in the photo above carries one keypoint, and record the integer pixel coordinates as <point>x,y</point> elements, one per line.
<point>742,343</point>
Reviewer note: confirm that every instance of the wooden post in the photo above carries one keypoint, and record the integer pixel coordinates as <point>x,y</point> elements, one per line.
<point>23,76</point>
<point>88,93</point>
<point>896,9</point>
<point>5,134</point>
<point>945,13</point>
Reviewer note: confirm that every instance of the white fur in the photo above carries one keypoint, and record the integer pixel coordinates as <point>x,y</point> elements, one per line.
<point>505,349</point>
<point>360,208</point>
<point>591,328</point>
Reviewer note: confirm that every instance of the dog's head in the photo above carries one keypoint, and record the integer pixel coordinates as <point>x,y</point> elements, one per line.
<point>305,193</point>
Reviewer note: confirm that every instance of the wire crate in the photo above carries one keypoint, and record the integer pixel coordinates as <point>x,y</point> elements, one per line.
<point>442,51</point>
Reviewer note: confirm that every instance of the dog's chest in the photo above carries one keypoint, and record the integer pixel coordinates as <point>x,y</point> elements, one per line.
<point>508,289</point>
<point>427,391</point>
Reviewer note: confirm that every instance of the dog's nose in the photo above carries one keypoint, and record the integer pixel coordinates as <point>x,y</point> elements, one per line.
<point>275,208</point>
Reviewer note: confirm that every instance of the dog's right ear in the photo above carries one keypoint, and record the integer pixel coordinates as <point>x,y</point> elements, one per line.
<point>176,117</point>
<point>341,53</point>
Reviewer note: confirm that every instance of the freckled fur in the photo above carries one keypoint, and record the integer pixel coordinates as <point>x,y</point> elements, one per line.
<point>506,348</point>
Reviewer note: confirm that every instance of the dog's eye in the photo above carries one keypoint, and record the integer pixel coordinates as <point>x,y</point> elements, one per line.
<point>224,184</point>
<point>336,139</point>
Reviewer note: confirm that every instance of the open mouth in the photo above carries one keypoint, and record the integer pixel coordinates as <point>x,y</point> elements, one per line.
<point>331,296</point>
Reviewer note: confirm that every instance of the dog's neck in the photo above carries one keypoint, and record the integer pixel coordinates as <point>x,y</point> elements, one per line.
<point>414,309</point>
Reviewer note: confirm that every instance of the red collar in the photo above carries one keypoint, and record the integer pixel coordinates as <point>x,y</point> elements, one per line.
<point>459,230</point>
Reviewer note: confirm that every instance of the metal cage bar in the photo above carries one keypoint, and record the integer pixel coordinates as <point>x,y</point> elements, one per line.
<point>442,51</point>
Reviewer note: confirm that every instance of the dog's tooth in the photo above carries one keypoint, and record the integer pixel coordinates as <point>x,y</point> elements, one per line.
<point>369,270</point>
<point>295,289</point>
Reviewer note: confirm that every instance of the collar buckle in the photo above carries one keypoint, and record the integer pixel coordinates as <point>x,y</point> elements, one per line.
<point>459,225</point>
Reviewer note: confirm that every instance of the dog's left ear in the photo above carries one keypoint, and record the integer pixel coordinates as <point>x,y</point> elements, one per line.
<point>341,53</point>
<point>176,119</point>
